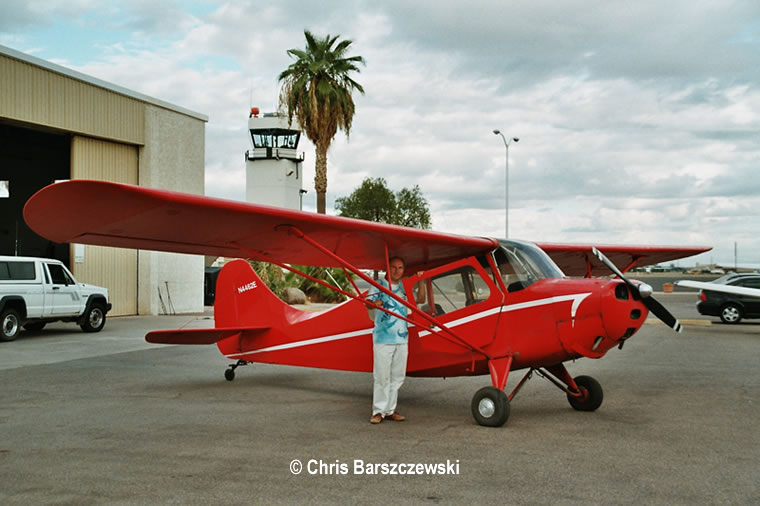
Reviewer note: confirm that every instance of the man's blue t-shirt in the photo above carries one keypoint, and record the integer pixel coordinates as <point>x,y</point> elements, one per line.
<point>389,329</point>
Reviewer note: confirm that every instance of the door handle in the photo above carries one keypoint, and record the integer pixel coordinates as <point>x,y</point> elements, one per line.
<point>56,288</point>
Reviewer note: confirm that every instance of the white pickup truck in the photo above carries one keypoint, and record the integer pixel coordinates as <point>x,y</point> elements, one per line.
<point>35,291</point>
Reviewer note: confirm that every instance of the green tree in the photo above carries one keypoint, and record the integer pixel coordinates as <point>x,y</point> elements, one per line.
<point>273,276</point>
<point>373,201</point>
<point>334,276</point>
<point>412,208</point>
<point>316,90</point>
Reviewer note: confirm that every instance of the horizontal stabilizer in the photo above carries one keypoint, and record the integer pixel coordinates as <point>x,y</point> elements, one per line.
<point>193,336</point>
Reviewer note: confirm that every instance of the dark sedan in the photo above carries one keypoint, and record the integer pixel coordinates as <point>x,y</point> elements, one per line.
<point>731,308</point>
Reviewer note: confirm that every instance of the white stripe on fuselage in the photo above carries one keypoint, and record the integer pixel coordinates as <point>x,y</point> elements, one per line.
<point>576,298</point>
<point>307,342</point>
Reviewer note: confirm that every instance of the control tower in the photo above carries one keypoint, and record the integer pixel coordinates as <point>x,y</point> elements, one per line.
<point>273,168</point>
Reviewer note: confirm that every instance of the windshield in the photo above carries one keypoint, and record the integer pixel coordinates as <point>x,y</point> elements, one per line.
<point>522,264</point>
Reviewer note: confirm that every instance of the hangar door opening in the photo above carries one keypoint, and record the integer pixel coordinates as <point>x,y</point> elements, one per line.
<point>29,160</point>
<point>114,268</point>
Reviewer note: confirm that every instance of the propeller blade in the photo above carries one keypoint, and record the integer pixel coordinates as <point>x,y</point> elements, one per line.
<point>606,261</point>
<point>654,307</point>
<point>663,314</point>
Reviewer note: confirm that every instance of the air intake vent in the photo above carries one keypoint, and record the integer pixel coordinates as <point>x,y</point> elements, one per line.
<point>621,291</point>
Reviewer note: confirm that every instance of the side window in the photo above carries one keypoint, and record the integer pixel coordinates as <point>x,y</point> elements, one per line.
<point>454,290</point>
<point>20,271</point>
<point>514,274</point>
<point>751,283</point>
<point>58,275</point>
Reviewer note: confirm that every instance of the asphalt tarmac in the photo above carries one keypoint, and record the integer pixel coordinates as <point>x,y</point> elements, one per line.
<point>109,419</point>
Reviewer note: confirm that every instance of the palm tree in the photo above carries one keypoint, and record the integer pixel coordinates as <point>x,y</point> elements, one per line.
<point>317,90</point>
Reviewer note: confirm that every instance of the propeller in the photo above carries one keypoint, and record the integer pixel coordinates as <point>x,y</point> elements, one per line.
<point>644,292</point>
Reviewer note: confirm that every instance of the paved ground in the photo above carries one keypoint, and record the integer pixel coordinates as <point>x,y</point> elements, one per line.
<point>107,418</point>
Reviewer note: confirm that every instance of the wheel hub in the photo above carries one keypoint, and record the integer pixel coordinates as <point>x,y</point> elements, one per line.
<point>10,324</point>
<point>95,318</point>
<point>486,407</point>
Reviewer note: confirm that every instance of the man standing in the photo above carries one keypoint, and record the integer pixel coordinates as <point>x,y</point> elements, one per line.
<point>390,337</point>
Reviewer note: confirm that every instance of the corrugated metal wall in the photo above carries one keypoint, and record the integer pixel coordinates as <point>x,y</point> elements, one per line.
<point>36,95</point>
<point>114,268</point>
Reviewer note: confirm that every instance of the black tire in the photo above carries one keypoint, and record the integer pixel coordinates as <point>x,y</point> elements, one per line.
<point>34,326</point>
<point>229,374</point>
<point>592,394</point>
<point>731,313</point>
<point>10,325</point>
<point>94,318</point>
<point>490,407</point>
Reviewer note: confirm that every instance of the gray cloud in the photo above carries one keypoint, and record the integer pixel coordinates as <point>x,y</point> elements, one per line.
<point>638,121</point>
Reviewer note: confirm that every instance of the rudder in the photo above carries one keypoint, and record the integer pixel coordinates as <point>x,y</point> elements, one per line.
<point>244,300</point>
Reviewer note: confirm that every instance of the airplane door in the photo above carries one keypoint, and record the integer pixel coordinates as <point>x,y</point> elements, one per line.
<point>62,292</point>
<point>460,296</point>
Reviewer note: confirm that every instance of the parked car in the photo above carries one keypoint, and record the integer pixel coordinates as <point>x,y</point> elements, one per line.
<point>729,307</point>
<point>35,291</point>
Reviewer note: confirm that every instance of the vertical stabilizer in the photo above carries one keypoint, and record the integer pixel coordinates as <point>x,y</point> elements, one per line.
<point>243,300</point>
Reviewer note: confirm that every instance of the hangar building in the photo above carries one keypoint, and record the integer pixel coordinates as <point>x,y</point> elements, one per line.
<point>58,124</point>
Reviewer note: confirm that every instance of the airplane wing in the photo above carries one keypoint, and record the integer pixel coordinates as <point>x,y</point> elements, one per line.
<point>717,287</point>
<point>127,216</point>
<point>577,259</point>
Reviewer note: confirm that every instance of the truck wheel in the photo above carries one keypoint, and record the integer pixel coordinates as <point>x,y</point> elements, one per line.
<point>94,318</point>
<point>10,325</point>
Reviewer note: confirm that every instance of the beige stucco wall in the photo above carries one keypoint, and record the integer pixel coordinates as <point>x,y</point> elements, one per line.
<point>171,159</point>
<point>106,118</point>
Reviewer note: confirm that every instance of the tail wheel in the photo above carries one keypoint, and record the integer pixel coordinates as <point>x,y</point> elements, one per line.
<point>591,394</point>
<point>490,407</point>
<point>10,324</point>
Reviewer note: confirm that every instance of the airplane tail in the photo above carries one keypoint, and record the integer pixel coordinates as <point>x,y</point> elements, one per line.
<point>243,300</point>
<point>243,303</point>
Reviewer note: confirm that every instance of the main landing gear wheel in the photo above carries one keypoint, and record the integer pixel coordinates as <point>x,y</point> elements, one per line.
<point>490,407</point>
<point>591,394</point>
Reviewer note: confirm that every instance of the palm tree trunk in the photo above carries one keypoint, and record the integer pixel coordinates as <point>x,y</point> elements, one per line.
<point>320,177</point>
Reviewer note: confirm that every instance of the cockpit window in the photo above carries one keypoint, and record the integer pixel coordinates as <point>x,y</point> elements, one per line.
<point>454,290</point>
<point>522,264</point>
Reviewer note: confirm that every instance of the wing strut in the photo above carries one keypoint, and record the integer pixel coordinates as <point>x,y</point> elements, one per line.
<point>434,328</point>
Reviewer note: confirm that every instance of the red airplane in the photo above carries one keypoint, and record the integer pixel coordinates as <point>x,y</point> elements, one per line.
<point>490,306</point>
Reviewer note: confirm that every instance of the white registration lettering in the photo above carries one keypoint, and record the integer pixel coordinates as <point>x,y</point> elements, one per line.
<point>245,288</point>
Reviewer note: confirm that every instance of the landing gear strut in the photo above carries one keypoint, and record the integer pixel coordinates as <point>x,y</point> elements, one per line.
<point>584,393</point>
<point>591,394</point>
<point>229,373</point>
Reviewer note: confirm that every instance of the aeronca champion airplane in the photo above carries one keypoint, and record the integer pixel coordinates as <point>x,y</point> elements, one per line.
<point>490,306</point>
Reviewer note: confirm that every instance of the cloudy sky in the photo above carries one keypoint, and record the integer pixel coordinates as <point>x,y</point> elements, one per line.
<point>639,122</point>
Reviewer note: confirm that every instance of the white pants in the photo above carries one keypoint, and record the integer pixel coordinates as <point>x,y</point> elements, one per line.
<point>389,370</point>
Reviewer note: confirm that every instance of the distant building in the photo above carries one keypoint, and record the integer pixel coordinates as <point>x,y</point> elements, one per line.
<point>58,124</point>
<point>274,167</point>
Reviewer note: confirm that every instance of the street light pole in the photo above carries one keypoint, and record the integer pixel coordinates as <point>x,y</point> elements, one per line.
<point>506,178</point>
